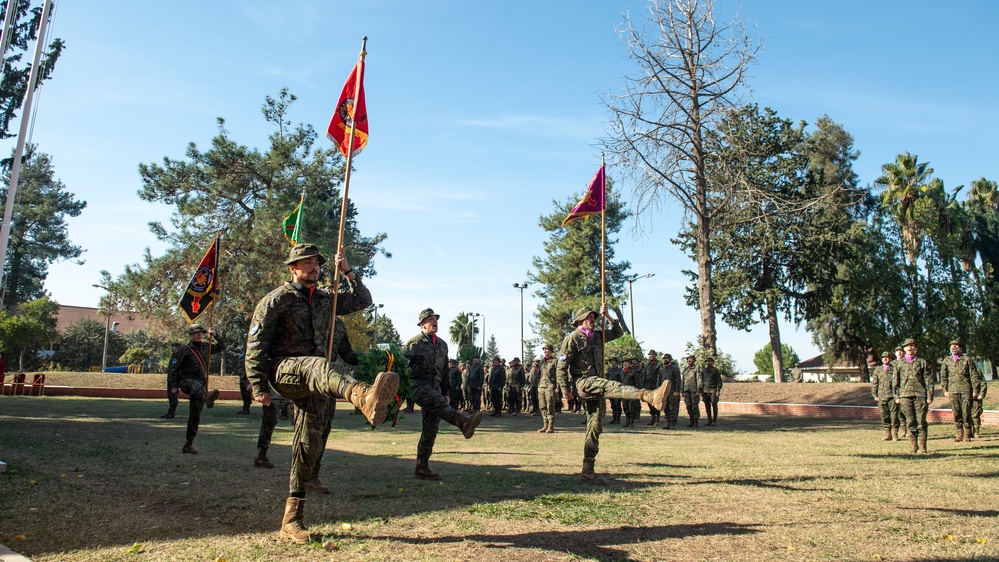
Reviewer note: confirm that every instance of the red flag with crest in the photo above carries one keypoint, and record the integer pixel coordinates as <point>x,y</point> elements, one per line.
<point>592,202</point>
<point>350,108</point>
<point>200,292</point>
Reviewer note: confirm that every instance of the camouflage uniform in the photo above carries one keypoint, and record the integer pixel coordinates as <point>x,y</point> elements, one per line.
<point>615,374</point>
<point>286,352</point>
<point>650,381</point>
<point>883,392</point>
<point>903,425</point>
<point>961,380</point>
<point>428,364</point>
<point>632,408</point>
<point>547,384</point>
<point>172,399</point>
<point>533,379</point>
<point>671,372</point>
<point>497,382</point>
<point>711,385</point>
<point>977,407</point>
<point>914,385</point>
<point>455,394</point>
<point>473,381</point>
<point>190,374</point>
<point>515,380</point>
<point>580,363</point>
<point>691,390</point>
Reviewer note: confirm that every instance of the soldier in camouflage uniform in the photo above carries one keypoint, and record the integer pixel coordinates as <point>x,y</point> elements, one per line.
<point>614,373</point>
<point>455,398</point>
<point>962,382</point>
<point>671,372</point>
<point>691,391</point>
<point>631,376</point>
<point>286,352</point>
<point>473,381</point>
<point>914,385</point>
<point>580,372</point>
<point>171,395</point>
<point>547,384</point>
<point>497,382</point>
<point>428,364</point>
<point>903,425</point>
<point>883,393</point>
<point>977,407</point>
<point>190,374</point>
<point>651,381</point>
<point>515,379</point>
<point>533,379</point>
<point>711,386</point>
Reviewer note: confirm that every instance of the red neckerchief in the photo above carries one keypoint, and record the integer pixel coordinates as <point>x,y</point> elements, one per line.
<point>433,338</point>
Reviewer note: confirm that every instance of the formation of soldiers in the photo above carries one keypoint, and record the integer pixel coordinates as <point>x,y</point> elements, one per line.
<point>903,388</point>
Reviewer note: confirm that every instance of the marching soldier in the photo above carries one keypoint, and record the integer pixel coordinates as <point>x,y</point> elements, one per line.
<point>190,374</point>
<point>962,382</point>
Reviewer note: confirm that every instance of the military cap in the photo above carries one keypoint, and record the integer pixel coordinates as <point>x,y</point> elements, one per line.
<point>887,354</point>
<point>899,348</point>
<point>957,342</point>
<point>667,356</point>
<point>582,313</point>
<point>427,313</point>
<point>709,359</point>
<point>908,341</point>
<point>613,359</point>
<point>194,328</point>
<point>302,251</point>
<point>516,360</point>
<point>651,352</point>
<point>548,347</point>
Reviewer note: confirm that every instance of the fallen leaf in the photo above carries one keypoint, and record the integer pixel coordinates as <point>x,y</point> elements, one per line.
<point>345,526</point>
<point>330,546</point>
<point>62,475</point>
<point>33,482</point>
<point>947,538</point>
<point>220,559</point>
<point>981,540</point>
<point>135,549</point>
<point>20,537</point>
<point>401,490</point>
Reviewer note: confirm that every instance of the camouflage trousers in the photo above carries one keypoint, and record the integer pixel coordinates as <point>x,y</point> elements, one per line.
<point>977,407</point>
<point>711,405</point>
<point>195,388</point>
<point>673,407</point>
<point>960,404</point>
<point>546,398</point>
<point>475,397</point>
<point>889,413</point>
<point>692,401</point>
<point>269,420</point>
<point>311,383</point>
<point>434,408</point>
<point>915,409</point>
<point>593,391</point>
<point>631,407</point>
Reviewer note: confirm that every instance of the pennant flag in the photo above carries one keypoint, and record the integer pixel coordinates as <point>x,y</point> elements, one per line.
<point>349,110</point>
<point>293,224</point>
<point>592,202</point>
<point>200,292</point>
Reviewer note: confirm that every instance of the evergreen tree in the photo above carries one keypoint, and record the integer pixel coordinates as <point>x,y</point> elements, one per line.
<point>763,359</point>
<point>492,350</point>
<point>27,328</point>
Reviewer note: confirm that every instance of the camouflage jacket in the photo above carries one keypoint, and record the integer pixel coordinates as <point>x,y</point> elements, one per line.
<point>632,376</point>
<point>497,377</point>
<point>580,357</point>
<point>914,380</point>
<point>671,373</point>
<point>427,358</point>
<point>691,380</point>
<point>534,377</point>
<point>882,382</point>
<point>515,378</point>
<point>191,362</point>
<point>711,380</point>
<point>650,375</point>
<point>455,376</point>
<point>286,324</point>
<point>961,375</point>
<point>474,376</point>
<point>548,378</point>
<point>614,374</point>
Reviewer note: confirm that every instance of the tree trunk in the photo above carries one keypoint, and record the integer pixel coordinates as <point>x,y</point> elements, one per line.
<point>705,286</point>
<point>776,350</point>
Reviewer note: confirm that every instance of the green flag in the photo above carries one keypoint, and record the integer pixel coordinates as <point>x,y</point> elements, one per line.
<point>293,224</point>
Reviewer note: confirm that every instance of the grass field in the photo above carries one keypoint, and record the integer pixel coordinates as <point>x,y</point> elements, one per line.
<point>92,479</point>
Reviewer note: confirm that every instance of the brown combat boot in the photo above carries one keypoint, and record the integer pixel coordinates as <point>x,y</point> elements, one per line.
<point>468,422</point>
<point>922,445</point>
<point>423,471</point>
<point>292,526</point>
<point>544,429</point>
<point>894,434</point>
<point>915,444</point>
<point>656,398</point>
<point>960,435</point>
<point>978,431</point>
<point>373,400</point>
<point>551,427</point>
<point>887,436</point>
<point>189,448</point>
<point>589,476</point>
<point>903,432</point>
<point>316,485</point>
<point>210,398</point>
<point>262,461</point>
<point>968,435</point>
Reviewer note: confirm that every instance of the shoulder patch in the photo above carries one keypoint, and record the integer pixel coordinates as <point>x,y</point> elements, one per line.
<point>254,328</point>
<point>561,356</point>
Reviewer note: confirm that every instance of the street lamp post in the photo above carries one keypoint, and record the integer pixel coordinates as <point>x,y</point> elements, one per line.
<point>521,286</point>
<point>374,322</point>
<point>471,326</point>
<point>107,328</point>
<point>631,299</point>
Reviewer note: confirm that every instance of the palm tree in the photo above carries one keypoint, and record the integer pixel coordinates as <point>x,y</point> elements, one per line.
<point>463,330</point>
<point>905,183</point>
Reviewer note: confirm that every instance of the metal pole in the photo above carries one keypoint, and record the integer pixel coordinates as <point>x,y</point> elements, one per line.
<point>104,357</point>
<point>521,286</point>
<point>631,305</point>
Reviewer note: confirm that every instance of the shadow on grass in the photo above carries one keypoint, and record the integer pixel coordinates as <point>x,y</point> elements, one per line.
<point>595,543</point>
<point>961,512</point>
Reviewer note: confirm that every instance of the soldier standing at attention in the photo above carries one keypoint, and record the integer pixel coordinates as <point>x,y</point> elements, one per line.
<point>497,381</point>
<point>900,422</point>
<point>286,352</point>
<point>546,390</point>
<point>962,382</point>
<point>884,394</point>
<point>475,377</point>
<point>533,380</point>
<point>614,374</point>
<point>650,381</point>
<point>671,372</point>
<point>711,385</point>
<point>454,374</point>
<point>977,407</point>
<point>691,391</point>
<point>428,364</point>
<point>631,376</point>
<point>580,366</point>
<point>190,374</point>
<point>914,384</point>
<point>515,385</point>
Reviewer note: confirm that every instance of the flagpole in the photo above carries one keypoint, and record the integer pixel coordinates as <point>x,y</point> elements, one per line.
<point>346,188</point>
<point>603,250</point>
<point>211,322</point>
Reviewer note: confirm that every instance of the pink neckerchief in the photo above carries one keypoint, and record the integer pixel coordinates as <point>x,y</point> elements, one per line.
<point>956,356</point>
<point>885,367</point>
<point>588,333</point>
<point>910,358</point>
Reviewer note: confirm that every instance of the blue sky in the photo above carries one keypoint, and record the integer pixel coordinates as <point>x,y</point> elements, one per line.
<point>481,115</point>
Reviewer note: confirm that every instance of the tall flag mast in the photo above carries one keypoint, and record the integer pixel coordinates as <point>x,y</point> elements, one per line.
<point>350,114</point>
